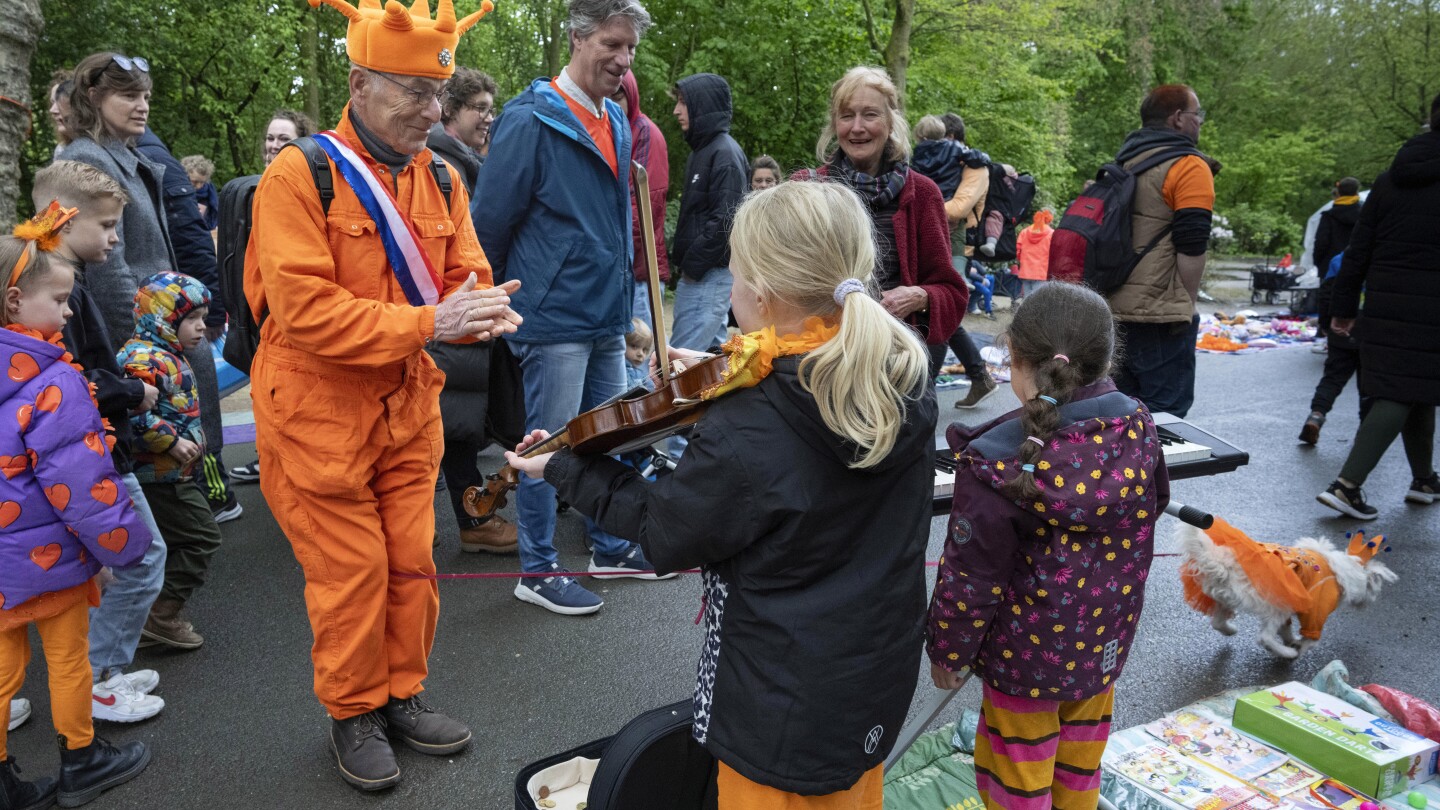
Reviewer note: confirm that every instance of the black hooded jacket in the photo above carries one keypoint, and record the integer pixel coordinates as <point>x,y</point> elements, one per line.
<point>1333,234</point>
<point>1394,254</point>
<point>717,177</point>
<point>814,576</point>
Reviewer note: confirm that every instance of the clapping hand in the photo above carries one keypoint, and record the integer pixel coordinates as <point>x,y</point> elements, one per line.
<point>484,314</point>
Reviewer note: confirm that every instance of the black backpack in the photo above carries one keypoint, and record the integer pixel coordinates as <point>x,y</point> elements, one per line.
<point>1011,196</point>
<point>236,219</point>
<point>1093,240</point>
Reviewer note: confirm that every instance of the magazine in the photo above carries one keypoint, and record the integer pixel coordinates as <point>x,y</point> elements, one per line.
<point>1287,779</point>
<point>1217,745</point>
<point>1165,772</point>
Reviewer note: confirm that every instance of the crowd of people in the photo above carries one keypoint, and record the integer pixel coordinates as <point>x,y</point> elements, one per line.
<point>452,277</point>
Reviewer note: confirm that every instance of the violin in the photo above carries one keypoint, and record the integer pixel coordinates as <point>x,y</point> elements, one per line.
<point>635,419</point>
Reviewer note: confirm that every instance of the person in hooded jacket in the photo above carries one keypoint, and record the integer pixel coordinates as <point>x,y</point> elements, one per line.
<point>1047,553</point>
<point>1394,255</point>
<point>804,496</point>
<point>1342,358</point>
<point>648,148</point>
<point>1032,248</point>
<point>717,176</point>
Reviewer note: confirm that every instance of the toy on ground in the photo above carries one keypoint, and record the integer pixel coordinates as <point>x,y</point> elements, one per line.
<point>1226,573</point>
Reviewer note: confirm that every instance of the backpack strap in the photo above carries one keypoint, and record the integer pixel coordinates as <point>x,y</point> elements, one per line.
<point>319,164</point>
<point>442,176</point>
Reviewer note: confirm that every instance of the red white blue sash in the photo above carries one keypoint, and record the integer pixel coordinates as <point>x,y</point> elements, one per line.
<point>408,260</point>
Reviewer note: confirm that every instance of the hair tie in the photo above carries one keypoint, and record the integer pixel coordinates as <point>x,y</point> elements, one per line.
<point>1049,399</point>
<point>844,288</point>
<point>1036,440</point>
<point>42,232</point>
<point>1030,468</point>
<point>1062,357</point>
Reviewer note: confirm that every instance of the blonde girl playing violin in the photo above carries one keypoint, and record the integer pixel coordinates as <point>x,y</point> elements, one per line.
<point>804,497</point>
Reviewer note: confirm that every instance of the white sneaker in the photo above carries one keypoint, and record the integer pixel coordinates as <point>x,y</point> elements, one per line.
<point>19,713</point>
<point>117,701</point>
<point>143,681</point>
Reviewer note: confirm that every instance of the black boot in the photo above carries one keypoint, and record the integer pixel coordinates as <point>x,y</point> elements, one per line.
<point>87,772</point>
<point>17,794</point>
<point>363,753</point>
<point>424,729</point>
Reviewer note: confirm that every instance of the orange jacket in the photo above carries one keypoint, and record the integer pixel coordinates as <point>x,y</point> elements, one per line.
<point>325,279</point>
<point>1032,247</point>
<point>1316,577</point>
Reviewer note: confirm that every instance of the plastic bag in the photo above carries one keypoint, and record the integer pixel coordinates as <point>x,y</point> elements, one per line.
<point>1410,711</point>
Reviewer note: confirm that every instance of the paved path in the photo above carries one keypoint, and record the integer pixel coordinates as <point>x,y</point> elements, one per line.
<point>242,729</point>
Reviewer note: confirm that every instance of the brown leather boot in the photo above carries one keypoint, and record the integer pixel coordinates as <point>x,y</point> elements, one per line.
<point>495,536</point>
<point>166,626</point>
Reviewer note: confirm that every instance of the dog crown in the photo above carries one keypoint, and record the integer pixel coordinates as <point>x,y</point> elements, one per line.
<point>1365,549</point>
<point>397,39</point>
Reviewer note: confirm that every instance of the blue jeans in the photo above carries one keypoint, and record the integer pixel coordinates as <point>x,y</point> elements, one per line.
<point>641,308</point>
<point>115,625</point>
<point>561,381</point>
<point>1158,365</point>
<point>1029,285</point>
<point>700,310</point>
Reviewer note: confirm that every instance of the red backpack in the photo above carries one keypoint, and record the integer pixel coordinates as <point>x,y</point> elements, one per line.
<point>1092,241</point>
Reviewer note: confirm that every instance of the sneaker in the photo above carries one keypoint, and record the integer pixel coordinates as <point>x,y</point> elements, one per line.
<point>87,772</point>
<point>1319,346</point>
<point>363,752</point>
<point>19,713</point>
<point>1310,431</point>
<point>249,473</point>
<point>1424,490</point>
<point>495,536</point>
<point>1348,500</point>
<point>116,700</point>
<point>424,729</point>
<point>227,511</point>
<point>143,681</point>
<point>980,388</point>
<point>166,626</point>
<point>558,594</point>
<point>22,795</point>
<point>630,565</point>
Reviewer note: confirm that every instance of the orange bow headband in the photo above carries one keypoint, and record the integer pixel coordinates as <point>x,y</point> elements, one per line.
<point>42,232</point>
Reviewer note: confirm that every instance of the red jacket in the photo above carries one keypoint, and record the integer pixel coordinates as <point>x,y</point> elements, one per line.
<point>922,238</point>
<point>654,155</point>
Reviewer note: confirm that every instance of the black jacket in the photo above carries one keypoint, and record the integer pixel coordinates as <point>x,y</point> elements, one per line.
<point>1394,254</point>
<point>717,177</point>
<point>88,342</point>
<point>465,399</point>
<point>194,247</point>
<point>1333,234</point>
<point>814,577</point>
<point>465,160</point>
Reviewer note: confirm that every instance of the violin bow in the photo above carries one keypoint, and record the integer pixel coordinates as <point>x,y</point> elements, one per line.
<point>657,299</point>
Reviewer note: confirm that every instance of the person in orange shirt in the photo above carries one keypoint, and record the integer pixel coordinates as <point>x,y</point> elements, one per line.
<point>347,416</point>
<point>1032,248</point>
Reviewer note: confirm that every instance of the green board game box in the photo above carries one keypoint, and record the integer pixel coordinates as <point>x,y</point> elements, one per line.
<point>1371,755</point>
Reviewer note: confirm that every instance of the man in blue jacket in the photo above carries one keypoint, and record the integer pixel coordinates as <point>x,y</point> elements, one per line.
<point>552,208</point>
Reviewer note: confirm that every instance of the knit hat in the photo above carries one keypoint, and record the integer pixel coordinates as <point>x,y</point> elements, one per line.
<point>404,41</point>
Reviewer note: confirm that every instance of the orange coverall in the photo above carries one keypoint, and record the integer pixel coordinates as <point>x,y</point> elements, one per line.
<point>347,414</point>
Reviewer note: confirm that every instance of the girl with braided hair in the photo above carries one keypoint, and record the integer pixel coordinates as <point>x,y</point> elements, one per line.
<point>1047,553</point>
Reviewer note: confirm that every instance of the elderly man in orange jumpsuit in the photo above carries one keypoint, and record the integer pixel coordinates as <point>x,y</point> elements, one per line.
<point>347,418</point>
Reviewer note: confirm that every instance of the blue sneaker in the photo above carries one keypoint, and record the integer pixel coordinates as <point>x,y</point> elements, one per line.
<point>632,565</point>
<point>558,594</point>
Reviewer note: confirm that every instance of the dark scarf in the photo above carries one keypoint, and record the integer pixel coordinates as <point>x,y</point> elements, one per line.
<point>377,147</point>
<point>878,191</point>
<point>1143,140</point>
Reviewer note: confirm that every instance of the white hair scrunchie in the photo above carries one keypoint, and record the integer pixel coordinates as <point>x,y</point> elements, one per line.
<point>844,288</point>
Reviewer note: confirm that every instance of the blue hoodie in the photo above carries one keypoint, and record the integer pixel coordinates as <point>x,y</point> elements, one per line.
<point>549,211</point>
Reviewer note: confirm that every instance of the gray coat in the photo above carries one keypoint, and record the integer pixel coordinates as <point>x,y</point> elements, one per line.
<point>144,247</point>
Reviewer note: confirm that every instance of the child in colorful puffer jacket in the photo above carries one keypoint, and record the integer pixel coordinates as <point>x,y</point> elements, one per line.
<point>1047,554</point>
<point>64,513</point>
<point>170,310</point>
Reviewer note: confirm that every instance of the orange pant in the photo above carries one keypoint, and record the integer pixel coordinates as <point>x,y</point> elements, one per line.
<point>739,793</point>
<point>350,458</point>
<point>65,639</point>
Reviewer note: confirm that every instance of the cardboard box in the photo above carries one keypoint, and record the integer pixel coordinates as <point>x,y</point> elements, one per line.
<point>1373,756</point>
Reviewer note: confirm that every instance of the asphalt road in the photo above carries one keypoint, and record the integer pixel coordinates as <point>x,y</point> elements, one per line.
<point>242,728</point>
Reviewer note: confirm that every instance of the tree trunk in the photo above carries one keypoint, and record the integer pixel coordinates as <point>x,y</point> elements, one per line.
<point>897,49</point>
<point>19,31</point>
<point>310,60</point>
<point>556,42</point>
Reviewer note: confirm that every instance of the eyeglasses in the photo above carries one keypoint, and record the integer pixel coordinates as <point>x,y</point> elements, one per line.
<point>419,98</point>
<point>483,109</point>
<point>131,62</point>
<point>1197,112</point>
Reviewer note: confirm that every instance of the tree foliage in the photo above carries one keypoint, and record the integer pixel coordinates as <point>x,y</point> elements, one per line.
<point>1298,92</point>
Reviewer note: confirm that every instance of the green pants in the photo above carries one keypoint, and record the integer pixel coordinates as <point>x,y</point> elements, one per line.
<point>190,532</point>
<point>1414,424</point>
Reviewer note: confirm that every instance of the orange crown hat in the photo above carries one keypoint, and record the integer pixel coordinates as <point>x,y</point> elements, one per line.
<point>1364,549</point>
<point>42,232</point>
<point>403,40</point>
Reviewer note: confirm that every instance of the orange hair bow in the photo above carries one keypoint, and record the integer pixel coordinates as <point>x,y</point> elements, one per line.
<point>42,232</point>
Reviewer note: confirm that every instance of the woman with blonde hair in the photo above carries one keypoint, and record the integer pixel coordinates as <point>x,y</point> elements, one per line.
<point>865,145</point>
<point>804,497</point>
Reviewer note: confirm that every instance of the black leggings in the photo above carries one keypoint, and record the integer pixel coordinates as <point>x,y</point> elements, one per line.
<point>965,352</point>
<point>461,472</point>
<point>1414,424</point>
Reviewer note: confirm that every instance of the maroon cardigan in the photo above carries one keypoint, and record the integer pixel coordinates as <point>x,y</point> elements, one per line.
<point>922,240</point>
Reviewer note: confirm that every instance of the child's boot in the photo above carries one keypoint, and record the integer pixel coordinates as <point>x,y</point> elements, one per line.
<point>87,772</point>
<point>166,626</point>
<point>17,794</point>
<point>989,247</point>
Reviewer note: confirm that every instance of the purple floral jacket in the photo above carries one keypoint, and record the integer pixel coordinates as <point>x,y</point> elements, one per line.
<point>63,511</point>
<point>1041,599</point>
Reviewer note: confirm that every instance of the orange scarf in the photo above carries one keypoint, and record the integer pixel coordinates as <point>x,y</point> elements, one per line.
<point>752,355</point>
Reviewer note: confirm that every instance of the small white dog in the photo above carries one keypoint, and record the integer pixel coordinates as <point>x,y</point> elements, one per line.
<point>1225,573</point>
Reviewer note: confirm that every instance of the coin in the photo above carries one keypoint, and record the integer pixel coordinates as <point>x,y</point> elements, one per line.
<point>547,804</point>
<point>580,806</point>
<point>544,791</point>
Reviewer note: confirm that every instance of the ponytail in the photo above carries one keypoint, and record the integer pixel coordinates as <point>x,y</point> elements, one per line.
<point>1055,382</point>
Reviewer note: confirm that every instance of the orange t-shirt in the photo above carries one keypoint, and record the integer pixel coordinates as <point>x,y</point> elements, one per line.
<point>598,127</point>
<point>1190,184</point>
